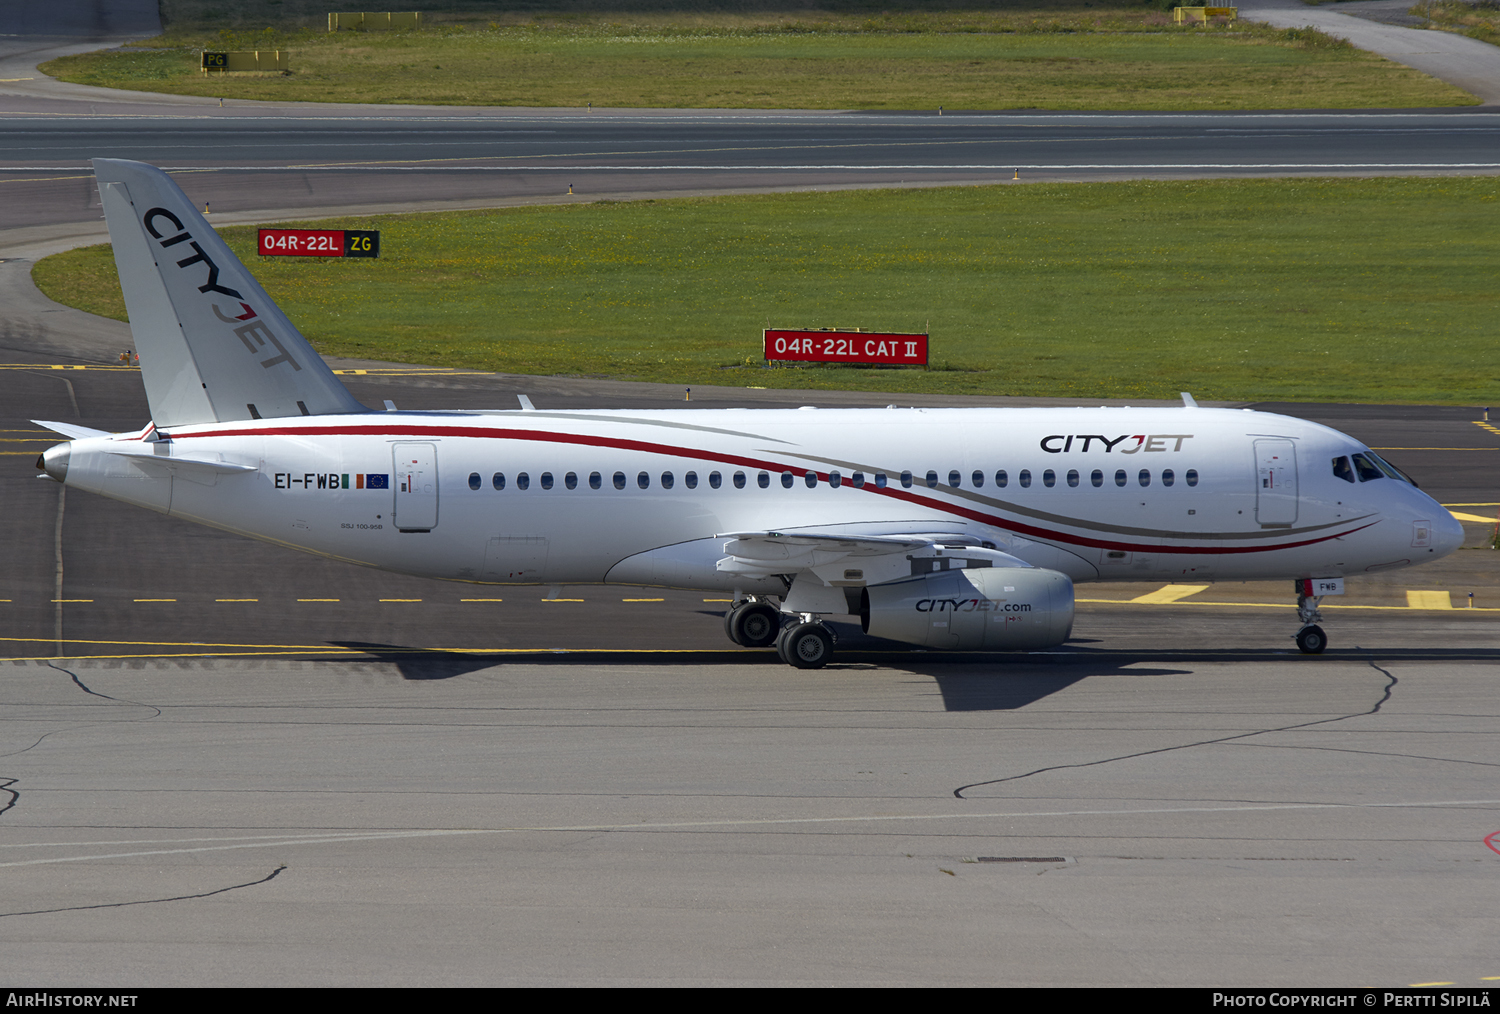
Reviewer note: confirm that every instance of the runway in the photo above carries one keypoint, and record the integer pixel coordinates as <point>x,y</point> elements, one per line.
<point>225,763</point>
<point>239,160</point>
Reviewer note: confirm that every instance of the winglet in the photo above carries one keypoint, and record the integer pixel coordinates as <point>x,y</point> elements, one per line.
<point>213,346</point>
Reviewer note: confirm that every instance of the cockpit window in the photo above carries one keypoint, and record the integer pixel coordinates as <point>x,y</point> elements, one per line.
<point>1366,468</point>
<point>1390,469</point>
<point>1342,469</point>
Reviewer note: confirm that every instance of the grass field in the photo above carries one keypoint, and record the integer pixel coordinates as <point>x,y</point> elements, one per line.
<point>1069,57</point>
<point>1352,290</point>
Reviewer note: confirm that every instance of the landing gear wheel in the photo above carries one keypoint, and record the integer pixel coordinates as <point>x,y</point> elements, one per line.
<point>756,626</point>
<point>753,624</point>
<point>1312,640</point>
<point>806,645</point>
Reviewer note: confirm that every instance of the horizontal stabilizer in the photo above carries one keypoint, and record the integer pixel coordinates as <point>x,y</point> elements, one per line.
<point>212,345</point>
<point>71,431</point>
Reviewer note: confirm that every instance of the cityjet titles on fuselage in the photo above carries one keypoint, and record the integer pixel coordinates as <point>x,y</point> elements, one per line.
<point>1057,443</point>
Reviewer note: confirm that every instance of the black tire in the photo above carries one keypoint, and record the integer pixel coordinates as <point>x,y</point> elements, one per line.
<point>780,644</point>
<point>807,646</point>
<point>731,624</point>
<point>756,626</point>
<point>1312,640</point>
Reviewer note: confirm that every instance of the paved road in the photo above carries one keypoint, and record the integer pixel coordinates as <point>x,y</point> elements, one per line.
<point>1385,27</point>
<point>1203,817</point>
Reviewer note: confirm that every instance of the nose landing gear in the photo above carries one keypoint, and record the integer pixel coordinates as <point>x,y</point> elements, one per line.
<point>1310,639</point>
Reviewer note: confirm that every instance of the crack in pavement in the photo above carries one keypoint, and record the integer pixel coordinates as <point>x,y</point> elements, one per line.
<point>151,901</point>
<point>89,690</point>
<point>6,783</point>
<point>1391,682</point>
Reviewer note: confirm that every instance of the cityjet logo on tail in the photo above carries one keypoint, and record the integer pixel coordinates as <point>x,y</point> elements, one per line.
<point>1059,442</point>
<point>253,334</point>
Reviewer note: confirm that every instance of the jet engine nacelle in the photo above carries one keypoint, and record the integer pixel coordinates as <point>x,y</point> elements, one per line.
<point>988,608</point>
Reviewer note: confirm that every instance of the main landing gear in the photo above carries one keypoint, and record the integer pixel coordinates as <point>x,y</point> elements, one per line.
<point>1311,638</point>
<point>802,641</point>
<point>806,644</point>
<point>753,624</point>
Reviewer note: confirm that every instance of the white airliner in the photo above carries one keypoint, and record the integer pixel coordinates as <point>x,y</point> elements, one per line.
<point>944,528</point>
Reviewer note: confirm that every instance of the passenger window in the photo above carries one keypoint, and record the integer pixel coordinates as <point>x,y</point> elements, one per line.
<point>835,480</point>
<point>1342,469</point>
<point>880,480</point>
<point>571,480</point>
<point>1145,477</point>
<point>1192,477</point>
<point>739,480</point>
<point>978,479</point>
<point>474,480</point>
<point>1096,477</point>
<point>1001,479</point>
<point>1367,469</point>
<point>932,479</point>
<point>1049,478</point>
<point>715,480</point>
<point>595,480</point>
<point>1119,477</point>
<point>811,478</point>
<point>1072,477</point>
<point>619,480</point>
<point>1167,477</point>
<point>546,480</point>
<point>690,480</point>
<point>523,481</point>
<point>954,479</point>
<point>643,480</point>
<point>906,479</point>
<point>787,478</point>
<point>498,480</point>
<point>763,480</point>
<point>858,478</point>
<point>1024,478</point>
<point>667,480</point>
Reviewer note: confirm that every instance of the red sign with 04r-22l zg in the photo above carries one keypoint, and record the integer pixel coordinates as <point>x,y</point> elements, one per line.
<point>318,243</point>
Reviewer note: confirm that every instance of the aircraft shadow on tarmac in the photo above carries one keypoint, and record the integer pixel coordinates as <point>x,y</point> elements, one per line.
<point>1001,682</point>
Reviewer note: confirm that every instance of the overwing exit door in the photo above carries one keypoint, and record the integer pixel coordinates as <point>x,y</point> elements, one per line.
<point>416,481</point>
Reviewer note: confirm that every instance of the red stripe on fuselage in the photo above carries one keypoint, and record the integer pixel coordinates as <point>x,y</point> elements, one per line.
<point>619,443</point>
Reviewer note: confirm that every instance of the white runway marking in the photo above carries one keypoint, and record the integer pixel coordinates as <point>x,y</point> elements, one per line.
<point>334,838</point>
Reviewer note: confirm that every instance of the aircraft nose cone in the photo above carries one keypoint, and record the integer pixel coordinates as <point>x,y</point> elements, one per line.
<point>1447,534</point>
<point>54,461</point>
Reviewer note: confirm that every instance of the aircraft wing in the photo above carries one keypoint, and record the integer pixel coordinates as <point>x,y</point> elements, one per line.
<point>765,553</point>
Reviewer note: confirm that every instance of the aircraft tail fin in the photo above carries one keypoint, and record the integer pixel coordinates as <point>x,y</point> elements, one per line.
<point>213,347</point>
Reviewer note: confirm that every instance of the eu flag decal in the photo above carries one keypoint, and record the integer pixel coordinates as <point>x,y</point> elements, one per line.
<point>378,481</point>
